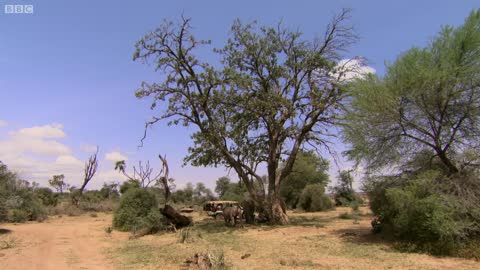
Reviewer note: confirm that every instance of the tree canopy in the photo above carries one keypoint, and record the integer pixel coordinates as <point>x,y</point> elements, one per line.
<point>228,190</point>
<point>58,183</point>
<point>428,100</point>
<point>271,93</point>
<point>307,169</point>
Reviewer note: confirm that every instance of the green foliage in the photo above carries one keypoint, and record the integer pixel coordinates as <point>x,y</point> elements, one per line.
<point>138,209</point>
<point>26,202</point>
<point>425,217</point>
<point>191,195</point>
<point>420,116</point>
<point>46,196</point>
<point>230,191</point>
<point>8,181</point>
<point>3,211</point>
<point>428,100</point>
<point>201,194</point>
<point>222,186</point>
<point>58,183</point>
<point>19,216</point>
<point>313,199</point>
<point>110,191</point>
<point>108,230</point>
<point>270,90</point>
<point>307,169</point>
<point>20,197</point>
<point>125,186</point>
<point>344,194</point>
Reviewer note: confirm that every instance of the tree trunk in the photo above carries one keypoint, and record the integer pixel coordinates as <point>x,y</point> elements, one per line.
<point>276,211</point>
<point>450,165</point>
<point>175,218</point>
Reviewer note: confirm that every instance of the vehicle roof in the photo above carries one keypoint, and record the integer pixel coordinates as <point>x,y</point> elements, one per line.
<point>213,202</point>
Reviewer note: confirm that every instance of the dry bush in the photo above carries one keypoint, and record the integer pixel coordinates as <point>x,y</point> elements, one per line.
<point>65,208</point>
<point>185,235</point>
<point>10,242</point>
<point>210,260</point>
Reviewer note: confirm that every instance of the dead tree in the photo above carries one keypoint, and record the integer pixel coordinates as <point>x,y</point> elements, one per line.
<point>168,211</point>
<point>91,167</point>
<point>143,173</point>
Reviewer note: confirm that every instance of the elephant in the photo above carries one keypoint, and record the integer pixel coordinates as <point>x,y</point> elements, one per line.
<point>232,213</point>
<point>248,211</point>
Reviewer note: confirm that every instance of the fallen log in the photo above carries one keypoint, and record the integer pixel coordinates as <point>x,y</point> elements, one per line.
<point>175,218</point>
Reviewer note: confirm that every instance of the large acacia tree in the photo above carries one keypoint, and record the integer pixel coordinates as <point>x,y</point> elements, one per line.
<point>427,102</point>
<point>271,93</point>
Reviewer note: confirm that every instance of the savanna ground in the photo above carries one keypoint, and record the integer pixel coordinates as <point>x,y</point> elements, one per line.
<point>312,241</point>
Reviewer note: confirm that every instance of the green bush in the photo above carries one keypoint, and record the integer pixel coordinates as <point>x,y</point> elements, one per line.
<point>129,185</point>
<point>19,216</point>
<point>47,196</point>
<point>25,201</point>
<point>138,208</point>
<point>343,198</point>
<point>416,212</point>
<point>344,194</point>
<point>3,211</point>
<point>313,199</point>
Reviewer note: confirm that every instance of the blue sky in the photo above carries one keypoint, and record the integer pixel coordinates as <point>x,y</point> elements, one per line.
<point>67,78</point>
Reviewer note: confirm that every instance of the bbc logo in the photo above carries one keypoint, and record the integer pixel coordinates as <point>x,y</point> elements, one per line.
<point>19,9</point>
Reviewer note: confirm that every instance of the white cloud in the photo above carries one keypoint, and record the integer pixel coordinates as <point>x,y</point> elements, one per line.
<point>3,123</point>
<point>88,148</point>
<point>23,144</point>
<point>115,156</point>
<point>37,153</point>
<point>46,132</point>
<point>110,176</point>
<point>68,160</point>
<point>355,68</point>
<point>36,156</point>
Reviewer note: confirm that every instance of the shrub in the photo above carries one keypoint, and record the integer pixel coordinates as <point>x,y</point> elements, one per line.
<point>19,198</point>
<point>185,236</point>
<point>347,198</point>
<point>7,243</point>
<point>109,230</point>
<point>344,194</point>
<point>46,196</point>
<point>130,184</point>
<point>313,199</point>
<point>3,211</point>
<point>346,215</point>
<point>19,216</point>
<point>138,208</point>
<point>212,259</point>
<point>416,212</point>
<point>217,259</point>
<point>26,202</point>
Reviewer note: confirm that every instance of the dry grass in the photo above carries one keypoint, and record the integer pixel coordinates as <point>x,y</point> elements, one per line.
<point>311,241</point>
<point>8,242</point>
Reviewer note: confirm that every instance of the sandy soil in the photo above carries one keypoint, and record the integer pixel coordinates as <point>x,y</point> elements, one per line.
<point>313,241</point>
<point>58,243</point>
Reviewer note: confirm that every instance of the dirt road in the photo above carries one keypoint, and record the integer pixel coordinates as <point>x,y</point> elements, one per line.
<point>58,243</point>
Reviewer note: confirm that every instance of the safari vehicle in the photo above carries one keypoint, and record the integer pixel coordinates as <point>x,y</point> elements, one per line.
<point>215,208</point>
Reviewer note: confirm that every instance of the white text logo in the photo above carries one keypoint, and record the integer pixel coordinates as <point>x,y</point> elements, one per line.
<point>19,9</point>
